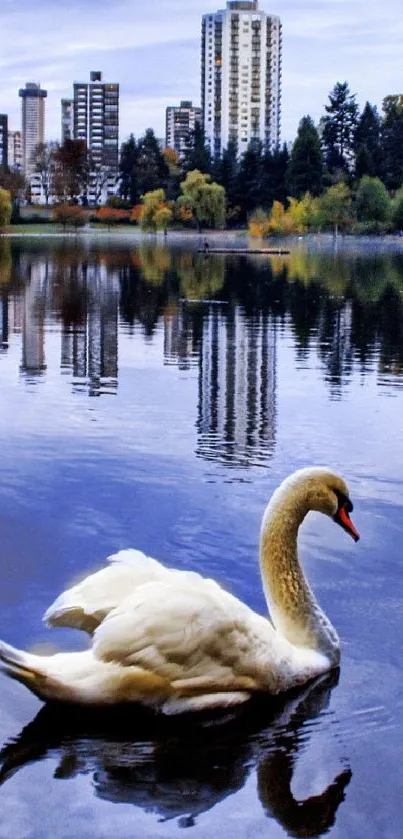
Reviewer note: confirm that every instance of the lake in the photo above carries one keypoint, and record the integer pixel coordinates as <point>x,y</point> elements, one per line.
<point>154,397</point>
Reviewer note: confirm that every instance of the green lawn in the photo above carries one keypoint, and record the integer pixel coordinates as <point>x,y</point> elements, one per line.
<point>52,229</point>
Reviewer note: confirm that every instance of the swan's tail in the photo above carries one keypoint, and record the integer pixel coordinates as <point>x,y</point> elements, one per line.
<point>25,667</point>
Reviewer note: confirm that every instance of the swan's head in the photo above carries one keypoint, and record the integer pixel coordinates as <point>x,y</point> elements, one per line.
<point>318,488</point>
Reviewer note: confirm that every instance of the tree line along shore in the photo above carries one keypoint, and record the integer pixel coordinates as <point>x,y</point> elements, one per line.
<point>346,174</point>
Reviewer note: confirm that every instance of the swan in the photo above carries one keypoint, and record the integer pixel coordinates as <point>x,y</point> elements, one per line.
<point>178,642</point>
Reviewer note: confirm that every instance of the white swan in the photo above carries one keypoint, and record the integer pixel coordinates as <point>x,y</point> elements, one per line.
<point>178,642</point>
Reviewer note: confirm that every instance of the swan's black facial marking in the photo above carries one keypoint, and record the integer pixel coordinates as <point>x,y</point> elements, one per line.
<point>345,506</point>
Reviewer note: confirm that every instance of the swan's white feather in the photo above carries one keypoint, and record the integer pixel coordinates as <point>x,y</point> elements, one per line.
<point>85,605</point>
<point>202,639</point>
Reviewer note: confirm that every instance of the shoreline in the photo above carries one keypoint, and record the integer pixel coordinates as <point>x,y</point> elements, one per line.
<point>222,243</point>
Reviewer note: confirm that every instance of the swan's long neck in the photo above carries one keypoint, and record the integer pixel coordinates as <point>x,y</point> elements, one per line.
<point>293,607</point>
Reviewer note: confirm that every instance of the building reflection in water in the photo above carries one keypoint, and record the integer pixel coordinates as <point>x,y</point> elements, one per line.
<point>4,320</point>
<point>236,358</point>
<point>33,361</point>
<point>85,297</point>
<point>89,345</point>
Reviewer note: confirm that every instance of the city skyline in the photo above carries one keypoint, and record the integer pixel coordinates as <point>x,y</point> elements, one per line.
<point>320,46</point>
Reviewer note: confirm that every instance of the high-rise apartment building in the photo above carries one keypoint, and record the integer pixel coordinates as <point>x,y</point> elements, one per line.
<point>67,119</point>
<point>15,150</point>
<point>32,122</point>
<point>241,76</point>
<point>3,140</point>
<point>180,122</point>
<point>96,119</point>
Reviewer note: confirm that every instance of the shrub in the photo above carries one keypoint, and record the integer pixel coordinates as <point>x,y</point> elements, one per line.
<point>5,207</point>
<point>69,215</point>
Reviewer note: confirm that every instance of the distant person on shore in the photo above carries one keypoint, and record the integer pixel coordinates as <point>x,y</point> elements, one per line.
<point>206,246</point>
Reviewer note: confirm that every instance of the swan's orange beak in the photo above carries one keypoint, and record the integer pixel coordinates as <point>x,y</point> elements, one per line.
<point>343,519</point>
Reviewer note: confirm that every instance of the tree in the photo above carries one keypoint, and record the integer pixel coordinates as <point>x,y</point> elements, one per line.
<point>207,199</point>
<point>258,223</point>
<point>155,214</point>
<point>397,210</point>
<point>392,141</point>
<point>303,214</point>
<point>225,173</point>
<point>100,175</point>
<point>5,207</point>
<point>69,214</point>
<point>335,205</point>
<point>250,189</point>
<point>274,170</point>
<point>171,159</point>
<point>339,128</point>
<point>279,221</point>
<point>112,215</point>
<point>305,170</point>
<point>197,154</point>
<point>44,165</point>
<point>14,183</point>
<point>367,143</point>
<point>151,171</point>
<point>71,170</point>
<point>372,202</point>
<point>128,188</point>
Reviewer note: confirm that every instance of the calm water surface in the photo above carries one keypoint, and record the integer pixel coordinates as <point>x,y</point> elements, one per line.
<point>153,397</point>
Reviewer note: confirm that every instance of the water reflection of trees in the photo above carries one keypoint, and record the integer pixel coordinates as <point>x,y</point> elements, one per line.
<point>179,769</point>
<point>345,307</point>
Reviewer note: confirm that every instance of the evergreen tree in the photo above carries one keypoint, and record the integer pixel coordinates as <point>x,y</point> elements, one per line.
<point>171,158</point>
<point>151,171</point>
<point>249,188</point>
<point>128,188</point>
<point>339,128</point>
<point>197,154</point>
<point>305,170</point>
<point>392,141</point>
<point>367,143</point>
<point>275,167</point>
<point>225,173</point>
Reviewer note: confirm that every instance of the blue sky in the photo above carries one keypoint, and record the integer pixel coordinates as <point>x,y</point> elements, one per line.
<point>153,50</point>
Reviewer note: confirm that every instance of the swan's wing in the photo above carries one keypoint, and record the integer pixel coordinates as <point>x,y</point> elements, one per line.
<point>195,636</point>
<point>85,605</point>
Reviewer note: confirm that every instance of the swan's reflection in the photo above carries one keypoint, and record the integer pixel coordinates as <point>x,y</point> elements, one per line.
<point>179,768</point>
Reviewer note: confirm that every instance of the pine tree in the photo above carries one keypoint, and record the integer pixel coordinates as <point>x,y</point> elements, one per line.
<point>305,170</point>
<point>275,166</point>
<point>151,171</point>
<point>392,141</point>
<point>225,172</point>
<point>339,128</point>
<point>367,143</point>
<point>128,188</point>
<point>197,154</point>
<point>249,188</point>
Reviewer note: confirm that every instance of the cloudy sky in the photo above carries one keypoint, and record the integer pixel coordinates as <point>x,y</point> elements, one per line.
<point>153,49</point>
